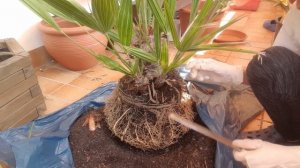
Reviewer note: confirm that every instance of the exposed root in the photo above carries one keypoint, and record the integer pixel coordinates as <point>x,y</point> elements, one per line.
<point>137,112</point>
<point>145,127</point>
<point>150,95</point>
<point>114,128</point>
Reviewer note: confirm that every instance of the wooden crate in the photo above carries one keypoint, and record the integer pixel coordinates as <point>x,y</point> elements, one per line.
<point>21,99</point>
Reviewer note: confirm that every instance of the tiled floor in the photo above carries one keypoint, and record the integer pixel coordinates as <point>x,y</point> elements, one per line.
<point>61,87</point>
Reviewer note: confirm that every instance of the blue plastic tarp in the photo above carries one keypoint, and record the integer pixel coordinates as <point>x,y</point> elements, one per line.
<point>43,143</point>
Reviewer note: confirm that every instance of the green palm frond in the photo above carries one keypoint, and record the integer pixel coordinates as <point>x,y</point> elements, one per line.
<point>125,22</point>
<point>157,39</point>
<point>112,64</point>
<point>158,14</point>
<point>105,13</point>
<point>164,60</point>
<point>143,41</point>
<point>141,54</point>
<point>171,23</point>
<point>194,10</point>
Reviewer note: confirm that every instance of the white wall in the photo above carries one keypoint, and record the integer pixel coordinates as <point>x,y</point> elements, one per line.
<point>18,22</point>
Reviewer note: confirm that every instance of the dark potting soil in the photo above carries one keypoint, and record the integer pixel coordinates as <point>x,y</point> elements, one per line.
<point>100,149</point>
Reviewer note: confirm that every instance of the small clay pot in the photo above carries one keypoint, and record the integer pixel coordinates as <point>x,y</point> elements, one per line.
<point>65,51</point>
<point>229,35</point>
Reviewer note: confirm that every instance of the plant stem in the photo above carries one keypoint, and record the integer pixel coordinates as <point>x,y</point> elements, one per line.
<point>115,51</point>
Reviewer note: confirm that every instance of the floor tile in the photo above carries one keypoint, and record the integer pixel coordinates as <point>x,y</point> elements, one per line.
<point>238,61</point>
<point>60,75</point>
<point>70,93</point>
<point>238,55</point>
<point>260,45</point>
<point>48,85</point>
<point>207,55</point>
<point>89,83</point>
<point>261,38</point>
<point>53,104</point>
<point>101,72</point>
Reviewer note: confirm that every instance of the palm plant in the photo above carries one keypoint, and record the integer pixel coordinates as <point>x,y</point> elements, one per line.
<point>137,111</point>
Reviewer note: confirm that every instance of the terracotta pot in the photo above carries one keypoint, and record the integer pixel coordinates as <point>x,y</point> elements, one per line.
<point>66,52</point>
<point>184,16</point>
<point>229,35</point>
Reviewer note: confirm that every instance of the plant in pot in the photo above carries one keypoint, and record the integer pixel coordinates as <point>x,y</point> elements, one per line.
<point>137,111</point>
<point>65,51</point>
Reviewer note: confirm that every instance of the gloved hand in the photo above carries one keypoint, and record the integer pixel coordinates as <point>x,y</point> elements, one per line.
<point>261,154</point>
<point>213,71</point>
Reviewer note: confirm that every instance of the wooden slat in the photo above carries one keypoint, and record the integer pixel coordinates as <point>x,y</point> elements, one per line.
<point>11,81</point>
<point>15,47</point>
<point>28,118</point>
<point>41,108</point>
<point>19,114</point>
<point>18,89</point>
<point>28,71</point>
<point>35,90</point>
<point>14,105</point>
<point>12,65</point>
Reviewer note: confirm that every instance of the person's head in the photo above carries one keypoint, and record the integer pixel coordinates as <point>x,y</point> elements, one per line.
<point>274,76</point>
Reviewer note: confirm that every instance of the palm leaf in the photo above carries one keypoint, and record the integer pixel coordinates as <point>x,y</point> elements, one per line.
<point>157,39</point>
<point>113,36</point>
<point>111,64</point>
<point>135,67</point>
<point>158,14</point>
<point>38,7</point>
<point>142,11</point>
<point>105,12</point>
<point>170,22</point>
<point>194,10</point>
<point>125,22</point>
<point>171,6</point>
<point>139,53</point>
<point>164,61</point>
<point>221,47</point>
<point>69,10</point>
<point>193,29</point>
<point>217,30</point>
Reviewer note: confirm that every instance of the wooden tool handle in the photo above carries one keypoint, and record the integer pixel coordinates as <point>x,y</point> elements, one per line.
<point>202,130</point>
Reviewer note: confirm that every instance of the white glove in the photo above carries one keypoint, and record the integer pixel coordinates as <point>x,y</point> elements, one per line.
<point>261,154</point>
<point>213,71</point>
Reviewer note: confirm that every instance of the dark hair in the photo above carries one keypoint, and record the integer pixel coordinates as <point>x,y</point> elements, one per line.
<point>274,76</point>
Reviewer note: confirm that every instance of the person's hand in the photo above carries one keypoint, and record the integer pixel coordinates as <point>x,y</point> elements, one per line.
<point>213,71</point>
<point>261,154</point>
